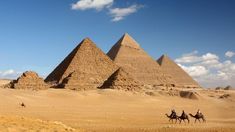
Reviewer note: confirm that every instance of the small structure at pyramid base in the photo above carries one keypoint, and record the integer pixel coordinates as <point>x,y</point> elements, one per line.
<point>29,80</point>
<point>189,95</point>
<point>78,80</point>
<point>122,80</point>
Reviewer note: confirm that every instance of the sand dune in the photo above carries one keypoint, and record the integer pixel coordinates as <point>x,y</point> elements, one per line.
<point>113,110</point>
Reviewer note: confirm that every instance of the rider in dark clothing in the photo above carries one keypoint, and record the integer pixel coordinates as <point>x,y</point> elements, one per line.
<point>173,113</point>
<point>198,112</point>
<point>183,113</point>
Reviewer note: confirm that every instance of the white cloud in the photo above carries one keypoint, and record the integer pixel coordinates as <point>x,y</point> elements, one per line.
<point>229,54</point>
<point>195,71</point>
<point>189,58</point>
<point>119,13</point>
<point>210,60</point>
<point>194,58</point>
<point>9,74</point>
<point>92,4</point>
<point>222,75</point>
<point>116,13</point>
<point>191,53</point>
<point>207,69</point>
<point>210,56</point>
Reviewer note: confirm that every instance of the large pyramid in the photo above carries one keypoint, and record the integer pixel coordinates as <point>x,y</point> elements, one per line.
<point>85,63</point>
<point>128,54</point>
<point>122,80</point>
<point>179,75</point>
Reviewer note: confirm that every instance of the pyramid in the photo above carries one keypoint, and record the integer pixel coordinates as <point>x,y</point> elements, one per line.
<point>122,80</point>
<point>29,80</point>
<point>129,55</point>
<point>84,63</point>
<point>180,76</point>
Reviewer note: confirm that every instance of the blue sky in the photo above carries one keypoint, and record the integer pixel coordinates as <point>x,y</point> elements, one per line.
<point>38,34</point>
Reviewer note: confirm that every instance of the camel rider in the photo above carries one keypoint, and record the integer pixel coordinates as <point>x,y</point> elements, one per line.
<point>183,113</point>
<point>173,113</point>
<point>198,112</point>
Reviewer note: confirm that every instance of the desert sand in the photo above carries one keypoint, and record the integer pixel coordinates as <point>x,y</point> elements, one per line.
<point>113,110</point>
<point>4,81</point>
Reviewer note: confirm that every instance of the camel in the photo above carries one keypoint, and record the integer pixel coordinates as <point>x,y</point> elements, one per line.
<point>183,117</point>
<point>198,117</point>
<point>171,118</point>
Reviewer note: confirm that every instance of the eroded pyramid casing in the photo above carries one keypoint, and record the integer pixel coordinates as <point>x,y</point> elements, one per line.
<point>129,55</point>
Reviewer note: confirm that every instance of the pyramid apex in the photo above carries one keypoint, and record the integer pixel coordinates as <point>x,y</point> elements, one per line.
<point>127,40</point>
<point>164,57</point>
<point>126,34</point>
<point>87,39</point>
<point>86,42</point>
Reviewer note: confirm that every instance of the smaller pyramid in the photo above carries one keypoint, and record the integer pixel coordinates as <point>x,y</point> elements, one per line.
<point>179,75</point>
<point>122,80</point>
<point>29,80</point>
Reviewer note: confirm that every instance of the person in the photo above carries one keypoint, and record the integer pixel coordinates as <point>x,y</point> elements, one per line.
<point>198,112</point>
<point>173,113</point>
<point>183,113</point>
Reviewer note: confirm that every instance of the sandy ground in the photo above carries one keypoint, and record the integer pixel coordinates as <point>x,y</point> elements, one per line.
<point>111,110</point>
<point>4,81</point>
